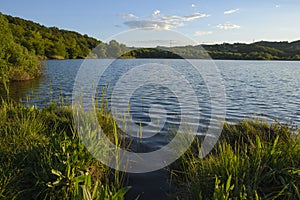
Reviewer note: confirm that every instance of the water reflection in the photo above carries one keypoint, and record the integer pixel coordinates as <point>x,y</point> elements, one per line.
<point>21,90</point>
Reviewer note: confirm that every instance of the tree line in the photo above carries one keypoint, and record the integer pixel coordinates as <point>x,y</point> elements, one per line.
<point>54,43</point>
<point>23,43</point>
<point>238,51</point>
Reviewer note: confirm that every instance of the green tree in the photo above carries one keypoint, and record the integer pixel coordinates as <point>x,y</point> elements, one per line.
<point>72,49</point>
<point>6,39</point>
<point>113,49</point>
<point>16,62</point>
<point>58,49</point>
<point>100,50</point>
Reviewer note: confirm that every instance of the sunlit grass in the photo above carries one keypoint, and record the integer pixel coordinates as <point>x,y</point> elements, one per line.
<point>252,160</point>
<point>42,157</point>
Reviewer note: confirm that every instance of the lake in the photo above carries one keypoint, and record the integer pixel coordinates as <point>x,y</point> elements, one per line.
<point>268,90</point>
<point>264,89</point>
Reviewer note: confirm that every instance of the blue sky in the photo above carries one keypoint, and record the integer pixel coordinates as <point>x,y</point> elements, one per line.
<point>205,21</point>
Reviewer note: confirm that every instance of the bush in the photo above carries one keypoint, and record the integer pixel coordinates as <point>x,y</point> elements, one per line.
<point>16,63</point>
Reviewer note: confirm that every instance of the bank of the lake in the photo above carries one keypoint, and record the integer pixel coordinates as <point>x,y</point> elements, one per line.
<point>43,157</point>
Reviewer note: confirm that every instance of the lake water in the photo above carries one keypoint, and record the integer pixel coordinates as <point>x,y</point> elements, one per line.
<point>263,89</point>
<point>268,90</point>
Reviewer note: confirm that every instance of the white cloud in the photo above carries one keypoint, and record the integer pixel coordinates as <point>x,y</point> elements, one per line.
<point>155,13</point>
<point>193,5</point>
<point>127,15</point>
<point>184,18</point>
<point>277,6</point>
<point>152,24</point>
<point>228,26</point>
<point>200,33</point>
<point>227,12</point>
<point>172,18</point>
<point>156,21</point>
<point>195,16</point>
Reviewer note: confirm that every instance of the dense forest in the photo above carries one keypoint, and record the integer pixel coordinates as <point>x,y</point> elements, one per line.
<point>54,43</point>
<point>23,43</point>
<point>256,51</point>
<point>16,62</point>
<point>238,51</point>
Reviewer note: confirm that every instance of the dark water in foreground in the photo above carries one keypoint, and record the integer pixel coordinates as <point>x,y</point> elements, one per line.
<point>266,90</point>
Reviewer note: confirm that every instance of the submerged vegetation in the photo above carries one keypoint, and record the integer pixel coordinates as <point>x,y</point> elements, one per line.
<point>42,157</point>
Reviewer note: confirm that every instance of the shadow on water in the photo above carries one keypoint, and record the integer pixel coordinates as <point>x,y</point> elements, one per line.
<point>147,186</point>
<point>20,90</point>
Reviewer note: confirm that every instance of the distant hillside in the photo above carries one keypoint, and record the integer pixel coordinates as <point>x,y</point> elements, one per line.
<point>262,50</point>
<point>54,43</point>
<point>256,51</point>
<point>50,42</point>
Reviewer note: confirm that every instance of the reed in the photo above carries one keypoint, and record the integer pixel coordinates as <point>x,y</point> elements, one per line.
<point>252,160</point>
<point>42,157</point>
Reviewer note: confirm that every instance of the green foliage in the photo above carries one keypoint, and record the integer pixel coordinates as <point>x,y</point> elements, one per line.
<point>150,53</point>
<point>222,192</point>
<point>50,42</point>
<point>16,62</point>
<point>42,157</point>
<point>53,43</point>
<point>253,160</point>
<point>111,50</point>
<point>255,51</point>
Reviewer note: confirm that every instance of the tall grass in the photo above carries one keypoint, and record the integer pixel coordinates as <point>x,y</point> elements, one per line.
<point>42,157</point>
<point>252,160</point>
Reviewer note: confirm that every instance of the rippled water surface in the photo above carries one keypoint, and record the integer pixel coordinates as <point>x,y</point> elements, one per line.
<point>264,89</point>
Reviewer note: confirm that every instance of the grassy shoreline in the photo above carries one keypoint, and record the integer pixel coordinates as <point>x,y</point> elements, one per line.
<point>42,157</point>
<point>252,160</point>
